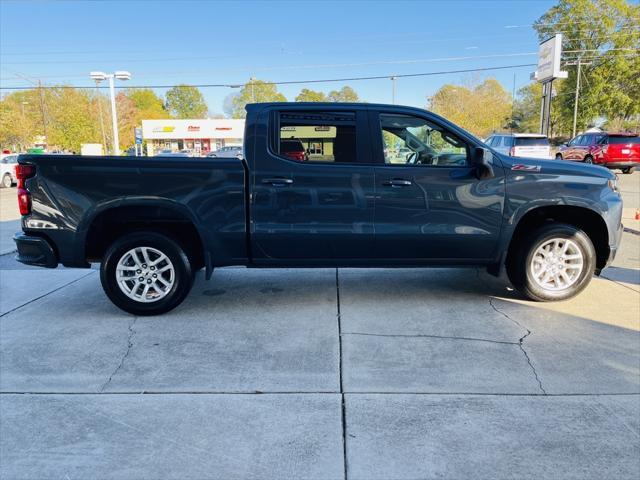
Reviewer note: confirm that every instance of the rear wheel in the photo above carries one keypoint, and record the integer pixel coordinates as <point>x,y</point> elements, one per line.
<point>558,156</point>
<point>588,159</point>
<point>7,181</point>
<point>555,262</point>
<point>146,273</point>
<point>627,170</point>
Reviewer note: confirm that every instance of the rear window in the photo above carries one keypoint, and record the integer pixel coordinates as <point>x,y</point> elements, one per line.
<point>532,142</point>
<point>617,140</point>
<point>318,136</point>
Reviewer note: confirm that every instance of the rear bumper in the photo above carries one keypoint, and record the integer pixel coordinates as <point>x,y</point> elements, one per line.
<point>35,251</point>
<point>621,164</point>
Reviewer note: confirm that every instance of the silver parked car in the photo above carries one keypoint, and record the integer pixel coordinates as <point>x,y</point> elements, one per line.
<point>531,145</point>
<point>8,170</point>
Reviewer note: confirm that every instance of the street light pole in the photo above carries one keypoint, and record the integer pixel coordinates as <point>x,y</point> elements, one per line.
<point>114,117</point>
<point>98,99</point>
<point>120,75</point>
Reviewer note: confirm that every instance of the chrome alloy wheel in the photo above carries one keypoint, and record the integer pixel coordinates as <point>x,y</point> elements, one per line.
<point>145,274</point>
<point>556,264</point>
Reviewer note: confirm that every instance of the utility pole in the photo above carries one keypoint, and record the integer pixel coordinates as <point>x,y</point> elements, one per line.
<point>579,64</point>
<point>513,103</point>
<point>575,101</point>
<point>393,90</point>
<point>253,93</point>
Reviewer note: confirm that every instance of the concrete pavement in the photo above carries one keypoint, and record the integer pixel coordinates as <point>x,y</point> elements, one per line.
<point>363,374</point>
<point>321,374</point>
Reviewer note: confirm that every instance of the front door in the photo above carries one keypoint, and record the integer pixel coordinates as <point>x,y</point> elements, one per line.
<point>429,204</point>
<point>312,188</point>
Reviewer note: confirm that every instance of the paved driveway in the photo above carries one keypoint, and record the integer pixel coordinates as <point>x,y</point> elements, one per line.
<point>327,373</point>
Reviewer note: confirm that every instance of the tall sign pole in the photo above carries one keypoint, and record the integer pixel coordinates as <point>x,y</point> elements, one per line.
<point>549,56</point>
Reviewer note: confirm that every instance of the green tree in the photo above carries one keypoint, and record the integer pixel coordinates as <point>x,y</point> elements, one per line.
<point>20,119</point>
<point>185,101</point>
<point>71,118</point>
<point>149,105</point>
<point>253,92</point>
<point>307,95</point>
<point>526,110</point>
<point>481,109</point>
<point>345,94</point>
<point>604,35</point>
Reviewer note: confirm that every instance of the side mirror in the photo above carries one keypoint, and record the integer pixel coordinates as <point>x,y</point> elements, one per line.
<point>483,163</point>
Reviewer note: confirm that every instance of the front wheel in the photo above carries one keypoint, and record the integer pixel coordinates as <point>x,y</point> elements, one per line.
<point>554,262</point>
<point>627,170</point>
<point>558,156</point>
<point>588,159</point>
<point>146,273</point>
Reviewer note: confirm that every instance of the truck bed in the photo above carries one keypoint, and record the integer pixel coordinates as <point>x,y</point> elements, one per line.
<point>69,192</point>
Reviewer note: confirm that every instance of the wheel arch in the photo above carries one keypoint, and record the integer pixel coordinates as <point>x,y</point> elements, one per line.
<point>581,217</point>
<point>103,225</point>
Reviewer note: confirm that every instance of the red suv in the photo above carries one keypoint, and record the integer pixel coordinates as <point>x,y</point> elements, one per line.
<point>293,149</point>
<point>612,150</point>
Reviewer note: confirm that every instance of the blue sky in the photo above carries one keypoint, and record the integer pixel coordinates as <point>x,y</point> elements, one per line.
<point>195,42</point>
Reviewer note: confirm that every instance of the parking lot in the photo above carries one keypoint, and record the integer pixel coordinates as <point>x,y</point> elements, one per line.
<point>327,373</point>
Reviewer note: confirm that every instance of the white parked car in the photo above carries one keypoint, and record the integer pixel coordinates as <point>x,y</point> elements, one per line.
<point>8,170</point>
<point>532,145</point>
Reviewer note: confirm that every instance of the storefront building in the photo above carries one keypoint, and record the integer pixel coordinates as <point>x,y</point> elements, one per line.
<point>199,136</point>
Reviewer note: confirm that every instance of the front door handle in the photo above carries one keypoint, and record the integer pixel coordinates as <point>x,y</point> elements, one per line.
<point>277,182</point>
<point>398,182</point>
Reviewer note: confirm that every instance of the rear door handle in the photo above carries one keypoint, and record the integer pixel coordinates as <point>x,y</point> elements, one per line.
<point>398,182</point>
<point>277,182</point>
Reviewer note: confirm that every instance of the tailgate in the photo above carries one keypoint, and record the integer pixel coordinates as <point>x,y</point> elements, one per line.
<point>624,151</point>
<point>532,151</point>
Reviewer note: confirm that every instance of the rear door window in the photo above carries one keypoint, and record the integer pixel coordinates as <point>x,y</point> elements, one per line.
<point>317,137</point>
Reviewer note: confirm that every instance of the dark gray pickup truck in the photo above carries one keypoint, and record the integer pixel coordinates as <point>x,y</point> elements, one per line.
<point>321,184</point>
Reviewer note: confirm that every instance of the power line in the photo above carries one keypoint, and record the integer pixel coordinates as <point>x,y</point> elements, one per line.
<point>294,82</point>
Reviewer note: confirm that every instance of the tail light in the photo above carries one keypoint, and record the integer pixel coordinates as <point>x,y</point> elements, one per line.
<point>296,155</point>
<point>24,197</point>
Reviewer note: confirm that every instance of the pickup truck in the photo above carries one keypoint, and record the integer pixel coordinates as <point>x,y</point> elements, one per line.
<point>377,186</point>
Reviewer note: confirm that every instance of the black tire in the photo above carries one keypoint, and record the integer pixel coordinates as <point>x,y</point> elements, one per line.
<point>519,264</point>
<point>558,156</point>
<point>182,277</point>
<point>627,170</point>
<point>588,159</point>
<point>7,181</point>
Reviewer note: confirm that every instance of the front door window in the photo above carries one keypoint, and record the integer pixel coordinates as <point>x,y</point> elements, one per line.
<point>415,141</point>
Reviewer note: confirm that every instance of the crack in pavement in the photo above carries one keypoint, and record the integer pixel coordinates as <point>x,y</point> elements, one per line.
<point>132,332</point>
<point>343,406</point>
<point>521,342</point>
<point>421,335</point>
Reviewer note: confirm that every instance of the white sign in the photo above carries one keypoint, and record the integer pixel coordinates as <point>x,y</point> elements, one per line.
<point>175,129</point>
<point>549,56</point>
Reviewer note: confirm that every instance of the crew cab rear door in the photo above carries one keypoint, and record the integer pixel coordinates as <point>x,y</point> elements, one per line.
<point>430,206</point>
<point>312,186</point>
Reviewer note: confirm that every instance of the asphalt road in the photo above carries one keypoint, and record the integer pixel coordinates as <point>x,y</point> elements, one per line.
<point>404,373</point>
